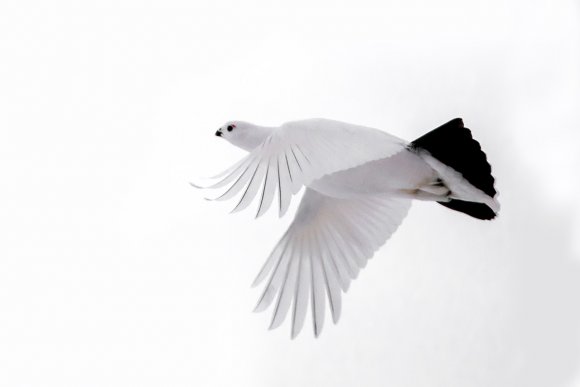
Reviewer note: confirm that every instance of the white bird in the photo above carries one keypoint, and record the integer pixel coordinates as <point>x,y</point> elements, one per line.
<point>359,186</point>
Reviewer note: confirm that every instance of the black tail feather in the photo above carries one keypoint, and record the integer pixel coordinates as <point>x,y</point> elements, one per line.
<point>453,145</point>
<point>477,210</point>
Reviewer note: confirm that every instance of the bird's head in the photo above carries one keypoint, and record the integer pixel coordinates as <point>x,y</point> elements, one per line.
<point>242,134</point>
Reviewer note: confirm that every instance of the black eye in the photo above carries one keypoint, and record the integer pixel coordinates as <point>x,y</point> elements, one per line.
<point>230,128</point>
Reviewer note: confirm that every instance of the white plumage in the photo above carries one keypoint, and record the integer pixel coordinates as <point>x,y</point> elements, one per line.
<point>359,185</point>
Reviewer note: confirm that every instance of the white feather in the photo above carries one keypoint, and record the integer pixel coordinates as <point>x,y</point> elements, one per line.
<point>326,245</point>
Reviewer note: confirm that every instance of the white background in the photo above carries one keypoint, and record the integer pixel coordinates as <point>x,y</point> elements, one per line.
<point>115,272</point>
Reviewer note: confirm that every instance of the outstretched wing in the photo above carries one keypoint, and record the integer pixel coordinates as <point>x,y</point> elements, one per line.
<point>298,153</point>
<point>324,248</point>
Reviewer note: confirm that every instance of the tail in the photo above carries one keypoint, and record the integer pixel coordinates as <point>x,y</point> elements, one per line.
<point>462,166</point>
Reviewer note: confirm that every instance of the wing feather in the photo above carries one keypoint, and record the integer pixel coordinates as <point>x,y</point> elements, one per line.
<point>295,170</point>
<point>273,259</point>
<point>332,290</point>
<point>331,279</point>
<point>269,188</point>
<point>326,245</point>
<point>338,263</point>
<point>349,247</point>
<point>252,188</point>
<point>248,172</point>
<point>277,278</point>
<point>342,252</point>
<point>287,289</point>
<point>302,288</point>
<point>319,286</point>
<point>230,174</point>
<point>284,184</point>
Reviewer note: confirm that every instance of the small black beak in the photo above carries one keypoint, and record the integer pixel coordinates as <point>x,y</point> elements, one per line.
<point>218,133</point>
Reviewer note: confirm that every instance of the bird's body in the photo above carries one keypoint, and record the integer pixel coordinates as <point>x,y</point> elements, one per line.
<point>359,185</point>
<point>398,175</point>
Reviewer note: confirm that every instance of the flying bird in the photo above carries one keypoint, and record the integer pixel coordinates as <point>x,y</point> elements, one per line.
<point>359,183</point>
